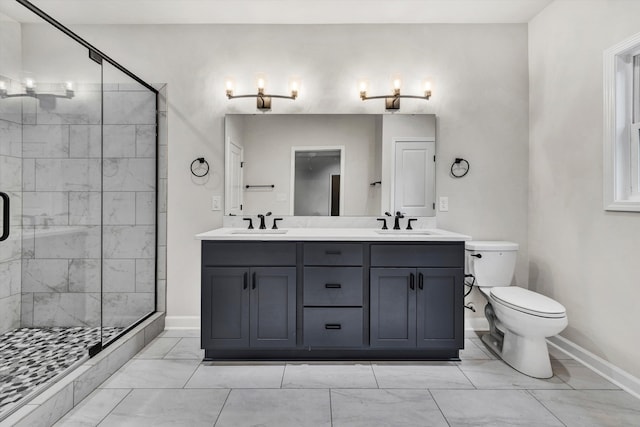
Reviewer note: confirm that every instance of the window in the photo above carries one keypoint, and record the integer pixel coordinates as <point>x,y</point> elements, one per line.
<point>622,126</point>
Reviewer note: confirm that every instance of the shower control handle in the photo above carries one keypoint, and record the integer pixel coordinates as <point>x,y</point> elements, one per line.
<point>5,216</point>
<point>477,255</point>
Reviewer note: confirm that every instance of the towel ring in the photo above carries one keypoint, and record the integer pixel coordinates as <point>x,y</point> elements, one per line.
<point>204,165</point>
<point>461,166</point>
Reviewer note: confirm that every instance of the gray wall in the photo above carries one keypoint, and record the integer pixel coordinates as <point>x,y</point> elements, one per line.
<point>581,255</point>
<point>480,96</point>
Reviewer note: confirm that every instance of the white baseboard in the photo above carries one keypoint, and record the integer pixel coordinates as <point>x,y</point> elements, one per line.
<point>619,377</point>
<point>182,322</point>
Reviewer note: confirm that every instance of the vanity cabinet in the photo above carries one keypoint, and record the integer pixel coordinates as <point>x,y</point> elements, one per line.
<point>417,294</point>
<point>415,307</point>
<point>317,300</point>
<point>251,306</point>
<point>333,295</point>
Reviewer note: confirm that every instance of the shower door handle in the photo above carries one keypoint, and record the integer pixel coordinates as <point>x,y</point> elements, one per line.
<point>5,216</point>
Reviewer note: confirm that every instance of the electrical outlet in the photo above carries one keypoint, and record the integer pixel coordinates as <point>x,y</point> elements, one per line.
<point>215,203</point>
<point>444,204</point>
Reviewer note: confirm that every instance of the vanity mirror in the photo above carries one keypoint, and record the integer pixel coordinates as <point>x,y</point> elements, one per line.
<point>329,164</point>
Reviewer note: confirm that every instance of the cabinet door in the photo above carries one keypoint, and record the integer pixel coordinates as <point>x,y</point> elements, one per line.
<point>273,307</point>
<point>393,307</point>
<point>225,307</point>
<point>440,307</point>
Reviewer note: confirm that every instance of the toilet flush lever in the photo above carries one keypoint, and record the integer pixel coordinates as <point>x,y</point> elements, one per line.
<point>477,255</point>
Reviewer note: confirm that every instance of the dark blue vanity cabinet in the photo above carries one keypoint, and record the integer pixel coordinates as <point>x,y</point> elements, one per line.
<point>272,300</point>
<point>417,296</point>
<point>248,295</point>
<point>333,284</point>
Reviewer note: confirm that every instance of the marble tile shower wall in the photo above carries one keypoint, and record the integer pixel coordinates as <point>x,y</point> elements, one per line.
<point>11,183</point>
<point>63,208</point>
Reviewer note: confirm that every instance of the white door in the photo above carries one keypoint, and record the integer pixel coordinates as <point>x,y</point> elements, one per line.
<point>233,199</point>
<point>414,178</point>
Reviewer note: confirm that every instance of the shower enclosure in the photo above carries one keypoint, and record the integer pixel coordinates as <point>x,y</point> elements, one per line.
<point>78,196</point>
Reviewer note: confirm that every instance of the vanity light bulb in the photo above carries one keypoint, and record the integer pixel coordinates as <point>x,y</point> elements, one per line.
<point>427,89</point>
<point>229,85</point>
<point>3,85</point>
<point>69,85</point>
<point>260,84</point>
<point>29,83</point>
<point>396,84</point>
<point>294,86</point>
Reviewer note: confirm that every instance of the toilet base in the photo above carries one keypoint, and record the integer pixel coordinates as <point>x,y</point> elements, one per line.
<point>527,355</point>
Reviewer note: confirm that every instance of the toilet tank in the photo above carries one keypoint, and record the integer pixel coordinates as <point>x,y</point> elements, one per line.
<point>495,264</point>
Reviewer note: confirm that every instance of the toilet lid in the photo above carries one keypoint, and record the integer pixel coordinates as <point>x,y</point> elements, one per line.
<point>528,301</point>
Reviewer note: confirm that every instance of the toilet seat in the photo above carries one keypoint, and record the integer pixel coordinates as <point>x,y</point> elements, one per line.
<point>527,301</point>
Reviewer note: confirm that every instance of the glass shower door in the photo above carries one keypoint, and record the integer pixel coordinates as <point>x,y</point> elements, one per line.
<point>129,201</point>
<point>62,186</point>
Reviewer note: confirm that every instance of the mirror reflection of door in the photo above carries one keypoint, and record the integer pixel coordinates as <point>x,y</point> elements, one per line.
<point>313,169</point>
<point>414,174</point>
<point>234,184</point>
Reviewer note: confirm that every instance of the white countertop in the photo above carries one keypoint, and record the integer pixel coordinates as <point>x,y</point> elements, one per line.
<point>333,234</point>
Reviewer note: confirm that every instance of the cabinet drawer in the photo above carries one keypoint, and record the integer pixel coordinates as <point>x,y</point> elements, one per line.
<point>335,286</point>
<point>248,253</point>
<point>332,327</point>
<point>420,255</point>
<point>333,254</point>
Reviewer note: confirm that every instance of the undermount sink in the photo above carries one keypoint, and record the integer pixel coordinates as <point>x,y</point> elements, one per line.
<point>405,232</point>
<point>253,232</point>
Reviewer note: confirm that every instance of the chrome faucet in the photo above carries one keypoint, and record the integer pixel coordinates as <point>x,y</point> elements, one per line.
<point>263,226</point>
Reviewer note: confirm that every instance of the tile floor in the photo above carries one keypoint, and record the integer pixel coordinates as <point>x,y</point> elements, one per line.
<point>167,384</point>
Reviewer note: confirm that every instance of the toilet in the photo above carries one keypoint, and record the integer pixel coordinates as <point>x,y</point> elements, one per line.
<point>520,320</point>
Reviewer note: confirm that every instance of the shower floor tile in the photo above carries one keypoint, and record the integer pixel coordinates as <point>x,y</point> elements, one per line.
<point>30,357</point>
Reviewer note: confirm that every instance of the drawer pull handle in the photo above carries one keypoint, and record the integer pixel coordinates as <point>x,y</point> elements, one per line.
<point>333,252</point>
<point>420,281</point>
<point>246,279</point>
<point>412,281</point>
<point>333,285</point>
<point>333,326</point>
<point>253,282</point>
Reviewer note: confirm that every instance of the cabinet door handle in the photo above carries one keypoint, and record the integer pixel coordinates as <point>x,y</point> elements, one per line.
<point>333,285</point>
<point>412,281</point>
<point>420,281</point>
<point>253,281</point>
<point>328,252</point>
<point>246,280</point>
<point>6,216</point>
<point>332,326</point>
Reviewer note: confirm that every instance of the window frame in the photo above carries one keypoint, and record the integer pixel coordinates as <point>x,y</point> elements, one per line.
<point>621,138</point>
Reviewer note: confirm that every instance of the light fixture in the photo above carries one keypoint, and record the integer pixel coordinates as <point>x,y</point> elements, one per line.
<point>30,91</point>
<point>263,100</point>
<point>392,102</point>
